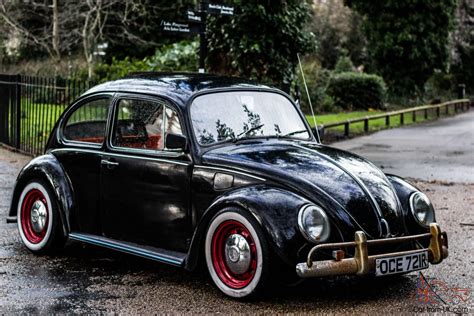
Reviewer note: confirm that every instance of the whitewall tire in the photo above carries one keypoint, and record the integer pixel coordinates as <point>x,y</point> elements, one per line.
<point>37,217</point>
<point>236,253</point>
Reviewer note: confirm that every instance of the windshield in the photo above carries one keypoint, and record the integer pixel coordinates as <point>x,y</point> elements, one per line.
<point>226,116</point>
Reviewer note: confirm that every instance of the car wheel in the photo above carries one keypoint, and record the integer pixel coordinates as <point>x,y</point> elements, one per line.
<point>237,254</point>
<point>38,222</point>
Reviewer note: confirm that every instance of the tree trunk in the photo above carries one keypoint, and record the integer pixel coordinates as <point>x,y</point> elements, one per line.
<point>56,29</point>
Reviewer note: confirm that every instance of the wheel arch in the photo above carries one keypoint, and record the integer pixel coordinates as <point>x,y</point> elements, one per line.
<point>404,190</point>
<point>48,169</point>
<point>277,219</point>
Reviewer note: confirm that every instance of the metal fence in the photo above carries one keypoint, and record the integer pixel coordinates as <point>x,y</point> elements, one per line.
<point>30,106</point>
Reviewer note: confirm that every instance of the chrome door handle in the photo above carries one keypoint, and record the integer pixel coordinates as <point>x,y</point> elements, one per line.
<point>109,163</point>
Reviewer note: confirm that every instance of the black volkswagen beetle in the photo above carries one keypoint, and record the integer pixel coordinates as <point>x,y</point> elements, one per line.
<point>180,168</point>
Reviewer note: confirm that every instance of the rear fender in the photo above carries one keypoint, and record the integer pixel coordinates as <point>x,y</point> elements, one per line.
<point>47,168</point>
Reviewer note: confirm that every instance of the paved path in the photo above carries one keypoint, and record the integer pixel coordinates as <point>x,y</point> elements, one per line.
<point>440,150</point>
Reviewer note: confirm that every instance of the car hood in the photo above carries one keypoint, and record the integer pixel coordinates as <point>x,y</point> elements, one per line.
<point>355,184</point>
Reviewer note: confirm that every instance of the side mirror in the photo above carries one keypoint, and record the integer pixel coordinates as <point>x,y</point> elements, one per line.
<point>176,142</point>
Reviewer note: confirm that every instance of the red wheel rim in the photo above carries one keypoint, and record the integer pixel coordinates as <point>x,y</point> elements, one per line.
<point>31,235</point>
<point>218,243</point>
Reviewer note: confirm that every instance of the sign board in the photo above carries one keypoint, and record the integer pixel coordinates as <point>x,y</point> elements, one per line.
<point>178,27</point>
<point>220,9</point>
<point>193,17</point>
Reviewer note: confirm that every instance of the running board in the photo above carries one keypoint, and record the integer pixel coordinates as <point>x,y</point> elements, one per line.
<point>11,219</point>
<point>165,256</point>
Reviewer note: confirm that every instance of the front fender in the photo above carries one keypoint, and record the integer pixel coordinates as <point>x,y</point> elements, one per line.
<point>47,168</point>
<point>274,208</point>
<point>404,190</point>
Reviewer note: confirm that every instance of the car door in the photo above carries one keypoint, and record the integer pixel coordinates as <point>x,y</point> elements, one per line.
<point>145,187</point>
<point>82,134</point>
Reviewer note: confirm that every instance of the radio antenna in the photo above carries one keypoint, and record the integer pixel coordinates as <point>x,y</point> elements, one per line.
<point>309,99</point>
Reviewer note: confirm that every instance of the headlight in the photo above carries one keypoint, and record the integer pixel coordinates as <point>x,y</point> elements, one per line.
<point>422,209</point>
<point>313,223</point>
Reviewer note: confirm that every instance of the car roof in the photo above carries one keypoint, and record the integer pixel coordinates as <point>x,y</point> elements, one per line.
<point>179,87</point>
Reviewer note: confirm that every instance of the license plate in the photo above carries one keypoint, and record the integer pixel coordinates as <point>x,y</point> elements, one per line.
<point>401,264</point>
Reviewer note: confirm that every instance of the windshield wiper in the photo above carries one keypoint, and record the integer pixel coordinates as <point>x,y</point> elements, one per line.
<point>243,134</point>
<point>294,133</point>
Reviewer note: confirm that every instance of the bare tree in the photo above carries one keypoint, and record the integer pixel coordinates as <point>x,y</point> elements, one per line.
<point>55,34</point>
<point>27,20</point>
<point>60,27</point>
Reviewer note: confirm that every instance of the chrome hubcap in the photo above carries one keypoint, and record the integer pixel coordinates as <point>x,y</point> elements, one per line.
<point>237,254</point>
<point>38,216</point>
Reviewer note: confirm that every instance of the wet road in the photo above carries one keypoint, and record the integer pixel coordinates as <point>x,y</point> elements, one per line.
<point>439,150</point>
<point>85,279</point>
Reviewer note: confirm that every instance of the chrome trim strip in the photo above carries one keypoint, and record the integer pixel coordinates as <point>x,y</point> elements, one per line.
<point>353,176</point>
<point>243,173</point>
<point>121,155</point>
<point>115,245</point>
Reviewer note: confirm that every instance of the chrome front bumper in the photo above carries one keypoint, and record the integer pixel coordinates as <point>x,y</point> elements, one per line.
<point>362,263</point>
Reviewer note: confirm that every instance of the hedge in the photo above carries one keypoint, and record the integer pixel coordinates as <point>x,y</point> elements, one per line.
<point>352,90</point>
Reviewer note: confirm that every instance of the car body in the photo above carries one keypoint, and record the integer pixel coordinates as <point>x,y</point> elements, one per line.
<point>185,167</point>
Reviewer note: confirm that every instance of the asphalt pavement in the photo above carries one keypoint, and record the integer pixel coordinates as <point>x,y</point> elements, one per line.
<point>437,156</point>
<point>439,150</point>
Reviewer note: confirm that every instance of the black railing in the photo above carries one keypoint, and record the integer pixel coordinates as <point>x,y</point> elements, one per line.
<point>337,130</point>
<point>30,106</point>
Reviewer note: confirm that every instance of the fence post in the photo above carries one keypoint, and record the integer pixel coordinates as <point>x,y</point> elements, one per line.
<point>366,125</point>
<point>346,129</point>
<point>387,120</point>
<point>18,111</point>
<point>426,114</point>
<point>321,133</point>
<point>3,108</point>
<point>438,112</point>
<point>402,118</point>
<point>414,116</point>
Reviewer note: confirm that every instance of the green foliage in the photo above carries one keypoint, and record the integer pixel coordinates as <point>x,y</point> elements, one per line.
<point>351,90</point>
<point>317,79</point>
<point>260,40</point>
<point>180,56</point>
<point>338,32</point>
<point>344,64</point>
<point>407,39</point>
<point>463,60</point>
<point>440,85</point>
<point>328,105</point>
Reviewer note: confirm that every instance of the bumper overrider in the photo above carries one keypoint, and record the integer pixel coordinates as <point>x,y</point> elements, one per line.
<point>362,263</point>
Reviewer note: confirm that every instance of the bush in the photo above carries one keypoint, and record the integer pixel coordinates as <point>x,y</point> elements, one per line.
<point>441,86</point>
<point>317,79</point>
<point>351,90</point>
<point>344,64</point>
<point>180,56</point>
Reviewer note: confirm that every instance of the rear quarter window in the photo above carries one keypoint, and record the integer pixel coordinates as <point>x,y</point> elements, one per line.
<point>87,123</point>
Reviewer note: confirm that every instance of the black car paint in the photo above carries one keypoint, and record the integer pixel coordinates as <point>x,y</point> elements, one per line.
<point>48,168</point>
<point>271,178</point>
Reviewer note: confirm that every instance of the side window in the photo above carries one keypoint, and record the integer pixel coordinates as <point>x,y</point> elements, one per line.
<point>139,124</point>
<point>87,123</point>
